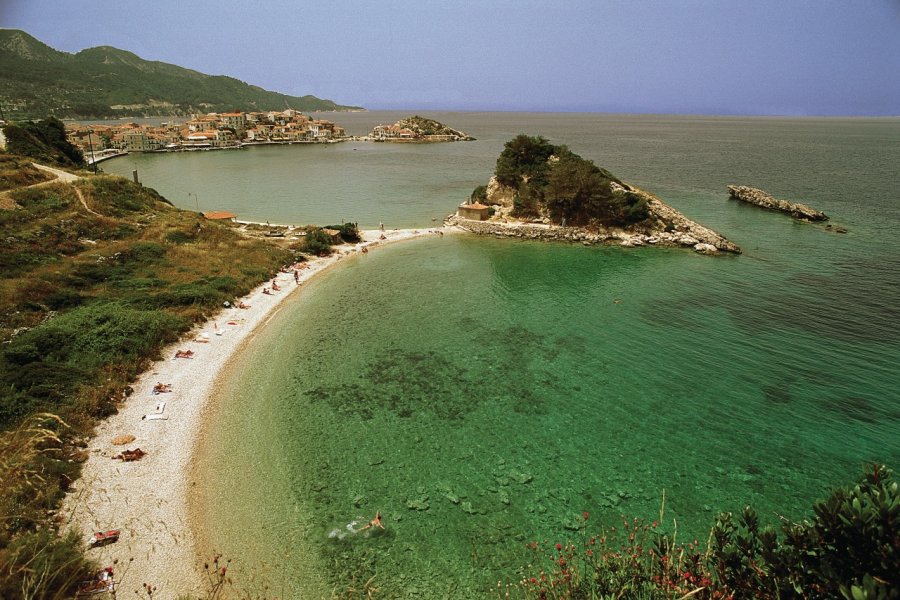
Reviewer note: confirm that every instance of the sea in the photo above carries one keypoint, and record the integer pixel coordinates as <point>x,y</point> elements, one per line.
<point>482,394</point>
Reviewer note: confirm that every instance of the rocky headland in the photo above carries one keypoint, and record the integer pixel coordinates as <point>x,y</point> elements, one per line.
<point>765,200</point>
<point>418,129</point>
<point>664,226</point>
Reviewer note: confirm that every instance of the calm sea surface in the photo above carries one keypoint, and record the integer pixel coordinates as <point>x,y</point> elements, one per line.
<point>482,394</point>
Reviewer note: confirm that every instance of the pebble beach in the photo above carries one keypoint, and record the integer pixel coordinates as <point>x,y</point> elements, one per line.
<point>147,500</point>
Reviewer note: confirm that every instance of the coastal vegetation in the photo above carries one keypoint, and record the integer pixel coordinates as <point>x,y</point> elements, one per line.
<point>17,171</point>
<point>95,278</point>
<point>105,82</point>
<point>848,549</point>
<point>553,182</point>
<point>43,140</point>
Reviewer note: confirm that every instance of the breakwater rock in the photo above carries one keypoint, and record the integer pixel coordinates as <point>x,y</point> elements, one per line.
<point>666,227</point>
<point>766,200</point>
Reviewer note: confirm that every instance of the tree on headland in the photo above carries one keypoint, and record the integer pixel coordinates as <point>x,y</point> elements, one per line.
<point>523,158</point>
<point>554,182</point>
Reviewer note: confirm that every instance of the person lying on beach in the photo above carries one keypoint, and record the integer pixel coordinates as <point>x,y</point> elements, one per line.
<point>267,292</point>
<point>242,305</point>
<point>275,286</point>
<point>184,354</point>
<point>376,522</point>
<point>162,388</point>
<point>130,455</point>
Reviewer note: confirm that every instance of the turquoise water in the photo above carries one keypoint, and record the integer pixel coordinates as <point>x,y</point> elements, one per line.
<point>483,393</point>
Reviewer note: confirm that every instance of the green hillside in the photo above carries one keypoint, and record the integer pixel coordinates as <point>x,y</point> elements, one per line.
<point>105,82</point>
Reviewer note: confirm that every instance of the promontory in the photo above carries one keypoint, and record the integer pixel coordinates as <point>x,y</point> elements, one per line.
<point>418,129</point>
<point>543,191</point>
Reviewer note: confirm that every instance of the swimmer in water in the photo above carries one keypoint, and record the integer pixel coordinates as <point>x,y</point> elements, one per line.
<point>376,522</point>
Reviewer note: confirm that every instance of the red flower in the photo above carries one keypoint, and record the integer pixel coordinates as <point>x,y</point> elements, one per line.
<point>559,546</point>
<point>585,515</point>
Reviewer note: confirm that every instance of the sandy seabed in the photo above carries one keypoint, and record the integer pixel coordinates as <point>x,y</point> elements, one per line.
<point>148,499</point>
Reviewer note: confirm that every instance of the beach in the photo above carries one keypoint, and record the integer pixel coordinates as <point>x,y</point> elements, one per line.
<point>147,499</point>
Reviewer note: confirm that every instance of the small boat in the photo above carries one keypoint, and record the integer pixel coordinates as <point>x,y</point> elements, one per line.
<point>102,538</point>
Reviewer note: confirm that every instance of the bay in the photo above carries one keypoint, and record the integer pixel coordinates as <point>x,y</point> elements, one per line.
<point>482,394</point>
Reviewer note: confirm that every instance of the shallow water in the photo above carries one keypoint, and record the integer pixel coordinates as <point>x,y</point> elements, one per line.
<point>483,393</point>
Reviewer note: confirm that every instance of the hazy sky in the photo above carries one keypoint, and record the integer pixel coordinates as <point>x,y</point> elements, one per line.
<point>784,57</point>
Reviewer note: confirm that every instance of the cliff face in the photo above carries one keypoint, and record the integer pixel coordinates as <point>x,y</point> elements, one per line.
<point>499,194</point>
<point>760,198</point>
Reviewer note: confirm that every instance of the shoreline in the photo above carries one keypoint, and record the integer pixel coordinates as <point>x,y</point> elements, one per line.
<point>148,499</point>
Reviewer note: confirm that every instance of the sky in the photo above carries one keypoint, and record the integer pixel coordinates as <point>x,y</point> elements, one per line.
<point>715,57</point>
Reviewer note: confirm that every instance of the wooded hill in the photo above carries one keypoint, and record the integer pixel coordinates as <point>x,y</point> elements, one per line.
<point>105,82</point>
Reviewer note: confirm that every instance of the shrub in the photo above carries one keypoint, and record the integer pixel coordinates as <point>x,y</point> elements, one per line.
<point>850,549</point>
<point>479,194</point>
<point>44,140</point>
<point>317,242</point>
<point>349,232</point>
<point>48,362</point>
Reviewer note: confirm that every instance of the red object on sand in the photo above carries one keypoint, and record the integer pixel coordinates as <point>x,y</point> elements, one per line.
<point>102,538</point>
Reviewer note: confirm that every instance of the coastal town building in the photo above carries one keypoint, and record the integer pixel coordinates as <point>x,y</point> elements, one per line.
<point>207,132</point>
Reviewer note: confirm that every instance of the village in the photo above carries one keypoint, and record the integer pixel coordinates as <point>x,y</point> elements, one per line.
<point>219,131</point>
<point>212,131</point>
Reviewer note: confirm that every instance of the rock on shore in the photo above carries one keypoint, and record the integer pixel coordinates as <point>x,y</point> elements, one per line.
<point>665,227</point>
<point>765,200</point>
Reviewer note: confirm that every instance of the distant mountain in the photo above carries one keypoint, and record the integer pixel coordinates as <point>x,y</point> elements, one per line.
<point>37,80</point>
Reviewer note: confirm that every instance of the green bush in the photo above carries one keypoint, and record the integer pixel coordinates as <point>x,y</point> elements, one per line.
<point>316,242</point>
<point>189,294</point>
<point>349,232</point>
<point>100,333</point>
<point>43,140</point>
<point>850,549</point>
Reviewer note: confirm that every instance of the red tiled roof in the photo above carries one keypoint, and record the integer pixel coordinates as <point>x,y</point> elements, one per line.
<point>219,214</point>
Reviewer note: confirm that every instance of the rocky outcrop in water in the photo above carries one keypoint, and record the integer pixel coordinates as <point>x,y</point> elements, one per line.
<point>666,227</point>
<point>765,200</point>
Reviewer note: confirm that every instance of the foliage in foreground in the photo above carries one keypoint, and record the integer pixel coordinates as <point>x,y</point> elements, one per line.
<point>850,549</point>
<point>553,182</point>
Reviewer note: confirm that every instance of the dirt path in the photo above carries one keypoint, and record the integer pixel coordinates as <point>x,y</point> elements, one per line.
<point>6,202</point>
